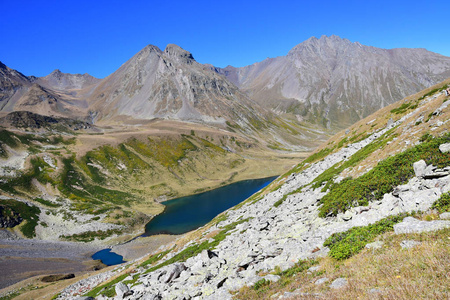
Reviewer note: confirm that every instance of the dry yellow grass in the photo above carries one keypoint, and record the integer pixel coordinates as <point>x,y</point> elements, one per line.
<point>409,129</point>
<point>422,272</point>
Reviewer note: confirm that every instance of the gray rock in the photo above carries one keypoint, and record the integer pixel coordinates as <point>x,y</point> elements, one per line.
<point>444,148</point>
<point>412,225</point>
<point>150,296</point>
<point>245,262</point>
<point>419,168</point>
<point>375,245</point>
<point>321,280</point>
<point>445,216</point>
<point>271,277</point>
<point>314,269</point>
<point>407,244</point>
<point>390,123</point>
<point>122,290</point>
<point>173,271</point>
<point>338,283</point>
<point>207,255</point>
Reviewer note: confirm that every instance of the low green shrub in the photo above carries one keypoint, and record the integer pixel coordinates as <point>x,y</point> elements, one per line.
<point>443,203</point>
<point>261,283</point>
<point>279,202</point>
<point>382,179</point>
<point>348,243</point>
<point>360,155</point>
<point>89,236</point>
<point>401,109</point>
<point>154,258</point>
<point>46,202</point>
<point>300,266</point>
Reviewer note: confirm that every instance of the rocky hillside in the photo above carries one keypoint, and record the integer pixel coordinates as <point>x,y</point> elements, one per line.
<point>171,84</point>
<point>379,177</point>
<point>76,182</point>
<point>66,81</point>
<point>334,82</point>
<point>49,96</point>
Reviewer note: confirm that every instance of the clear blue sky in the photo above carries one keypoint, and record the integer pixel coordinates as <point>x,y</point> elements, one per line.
<point>96,37</point>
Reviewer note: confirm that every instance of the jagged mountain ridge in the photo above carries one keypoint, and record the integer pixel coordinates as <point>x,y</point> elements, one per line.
<point>48,96</point>
<point>326,84</point>
<point>157,84</point>
<point>11,82</point>
<point>335,82</point>
<point>171,84</point>
<point>66,81</point>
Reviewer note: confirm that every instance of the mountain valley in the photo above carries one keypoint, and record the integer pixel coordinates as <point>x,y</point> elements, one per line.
<point>359,134</point>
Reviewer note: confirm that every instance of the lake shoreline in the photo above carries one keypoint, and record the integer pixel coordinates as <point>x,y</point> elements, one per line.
<point>188,213</point>
<point>33,257</point>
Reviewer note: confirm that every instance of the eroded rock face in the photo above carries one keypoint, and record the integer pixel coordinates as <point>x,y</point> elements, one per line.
<point>331,79</point>
<point>171,84</point>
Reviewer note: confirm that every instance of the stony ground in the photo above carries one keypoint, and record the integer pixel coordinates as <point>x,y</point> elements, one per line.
<point>269,236</point>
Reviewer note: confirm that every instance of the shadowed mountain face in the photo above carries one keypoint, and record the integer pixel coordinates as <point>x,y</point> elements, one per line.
<point>334,82</point>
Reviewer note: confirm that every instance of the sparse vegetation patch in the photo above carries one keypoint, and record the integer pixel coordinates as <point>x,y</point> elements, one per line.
<point>348,243</point>
<point>382,179</point>
<point>28,213</point>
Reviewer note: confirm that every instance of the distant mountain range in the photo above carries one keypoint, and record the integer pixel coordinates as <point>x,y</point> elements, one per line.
<point>327,83</point>
<point>334,82</point>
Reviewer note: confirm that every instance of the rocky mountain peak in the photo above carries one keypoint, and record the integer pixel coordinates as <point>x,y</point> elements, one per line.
<point>60,81</point>
<point>179,54</point>
<point>57,74</point>
<point>324,43</point>
<point>150,48</point>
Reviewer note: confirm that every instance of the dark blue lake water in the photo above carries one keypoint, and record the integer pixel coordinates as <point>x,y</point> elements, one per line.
<point>188,213</point>
<point>108,258</point>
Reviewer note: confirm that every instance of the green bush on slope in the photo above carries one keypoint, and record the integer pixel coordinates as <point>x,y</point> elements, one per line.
<point>443,203</point>
<point>382,179</point>
<point>348,243</point>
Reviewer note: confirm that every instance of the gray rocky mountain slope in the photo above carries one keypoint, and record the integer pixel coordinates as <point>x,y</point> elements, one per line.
<point>49,96</point>
<point>66,81</point>
<point>334,82</point>
<point>170,84</point>
<point>282,224</point>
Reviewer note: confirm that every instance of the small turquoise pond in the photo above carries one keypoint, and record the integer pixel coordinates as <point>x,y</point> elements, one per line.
<point>108,258</point>
<point>184,214</point>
